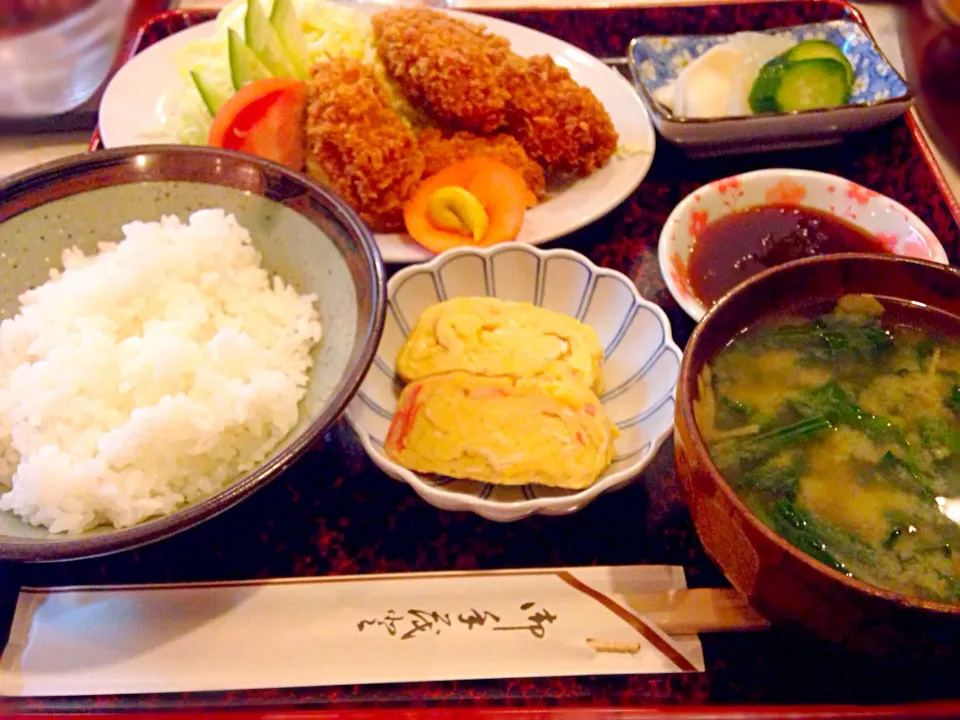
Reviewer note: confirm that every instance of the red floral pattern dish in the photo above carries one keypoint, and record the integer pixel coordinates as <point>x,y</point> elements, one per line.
<point>900,231</point>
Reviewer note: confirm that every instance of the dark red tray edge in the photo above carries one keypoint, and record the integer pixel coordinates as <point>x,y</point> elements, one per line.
<point>953,202</point>
<point>920,711</point>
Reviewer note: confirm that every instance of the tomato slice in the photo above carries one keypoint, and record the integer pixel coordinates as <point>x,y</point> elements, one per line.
<point>264,118</point>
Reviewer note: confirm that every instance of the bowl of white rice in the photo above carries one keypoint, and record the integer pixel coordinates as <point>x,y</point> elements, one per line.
<point>177,326</point>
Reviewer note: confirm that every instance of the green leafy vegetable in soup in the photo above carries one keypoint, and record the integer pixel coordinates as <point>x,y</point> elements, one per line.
<point>841,430</point>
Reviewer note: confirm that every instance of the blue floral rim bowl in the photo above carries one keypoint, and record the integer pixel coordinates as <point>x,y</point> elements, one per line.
<point>641,366</point>
<point>879,95</point>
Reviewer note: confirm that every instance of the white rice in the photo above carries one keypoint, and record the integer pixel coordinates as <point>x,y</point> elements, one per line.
<point>148,375</point>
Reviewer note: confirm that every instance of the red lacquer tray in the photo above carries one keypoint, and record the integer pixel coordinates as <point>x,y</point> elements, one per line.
<point>334,512</point>
<point>924,711</point>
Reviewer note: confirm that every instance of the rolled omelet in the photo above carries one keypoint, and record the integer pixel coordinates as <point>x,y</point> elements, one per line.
<point>488,336</point>
<point>502,430</point>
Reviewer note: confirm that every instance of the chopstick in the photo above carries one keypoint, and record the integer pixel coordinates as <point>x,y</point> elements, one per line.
<point>614,646</point>
<point>701,610</point>
<point>687,612</point>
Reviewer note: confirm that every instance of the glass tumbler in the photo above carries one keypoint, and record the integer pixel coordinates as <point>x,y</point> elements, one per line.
<point>54,54</point>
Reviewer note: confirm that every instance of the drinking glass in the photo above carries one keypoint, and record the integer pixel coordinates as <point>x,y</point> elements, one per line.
<point>54,54</point>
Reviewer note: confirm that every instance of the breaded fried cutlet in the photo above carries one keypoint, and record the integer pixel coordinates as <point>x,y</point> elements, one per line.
<point>358,145</point>
<point>559,123</point>
<point>448,68</point>
<point>441,150</point>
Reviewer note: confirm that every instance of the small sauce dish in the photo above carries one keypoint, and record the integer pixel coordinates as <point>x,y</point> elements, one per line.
<point>750,222</point>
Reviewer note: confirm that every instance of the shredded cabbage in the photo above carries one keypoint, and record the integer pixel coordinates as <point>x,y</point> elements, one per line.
<point>329,31</point>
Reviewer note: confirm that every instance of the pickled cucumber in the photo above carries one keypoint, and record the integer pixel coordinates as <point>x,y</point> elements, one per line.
<point>763,92</point>
<point>815,49</point>
<point>812,84</point>
<point>785,85</point>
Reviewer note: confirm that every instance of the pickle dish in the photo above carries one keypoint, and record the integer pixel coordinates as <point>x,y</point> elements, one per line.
<point>770,90</point>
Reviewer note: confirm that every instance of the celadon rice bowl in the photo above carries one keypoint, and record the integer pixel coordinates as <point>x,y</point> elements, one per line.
<point>148,375</point>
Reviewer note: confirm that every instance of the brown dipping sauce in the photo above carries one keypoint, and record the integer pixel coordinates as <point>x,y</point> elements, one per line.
<point>742,244</point>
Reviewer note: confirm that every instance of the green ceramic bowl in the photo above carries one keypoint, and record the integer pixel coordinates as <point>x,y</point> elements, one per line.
<point>304,233</point>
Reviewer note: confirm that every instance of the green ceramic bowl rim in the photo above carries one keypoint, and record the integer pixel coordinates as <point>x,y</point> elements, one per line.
<point>23,192</point>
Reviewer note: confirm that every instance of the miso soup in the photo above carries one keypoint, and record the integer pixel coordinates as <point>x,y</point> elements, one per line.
<point>840,428</point>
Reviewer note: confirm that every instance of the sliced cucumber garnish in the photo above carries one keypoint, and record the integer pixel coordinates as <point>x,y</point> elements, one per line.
<point>287,25</point>
<point>245,66</point>
<point>816,49</point>
<point>812,84</point>
<point>263,39</point>
<point>764,90</point>
<point>211,95</point>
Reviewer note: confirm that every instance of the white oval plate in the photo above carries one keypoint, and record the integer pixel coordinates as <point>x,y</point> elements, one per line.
<point>641,366</point>
<point>132,103</point>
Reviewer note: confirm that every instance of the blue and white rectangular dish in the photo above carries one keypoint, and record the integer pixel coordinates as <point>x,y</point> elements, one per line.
<point>879,93</point>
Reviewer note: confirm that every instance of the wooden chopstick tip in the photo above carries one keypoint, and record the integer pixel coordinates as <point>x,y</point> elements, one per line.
<point>613,646</point>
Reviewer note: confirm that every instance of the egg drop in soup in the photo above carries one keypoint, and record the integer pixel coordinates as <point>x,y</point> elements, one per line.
<point>839,426</point>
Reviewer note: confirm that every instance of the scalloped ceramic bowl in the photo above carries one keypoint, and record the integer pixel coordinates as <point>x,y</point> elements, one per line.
<point>641,365</point>
<point>902,232</point>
